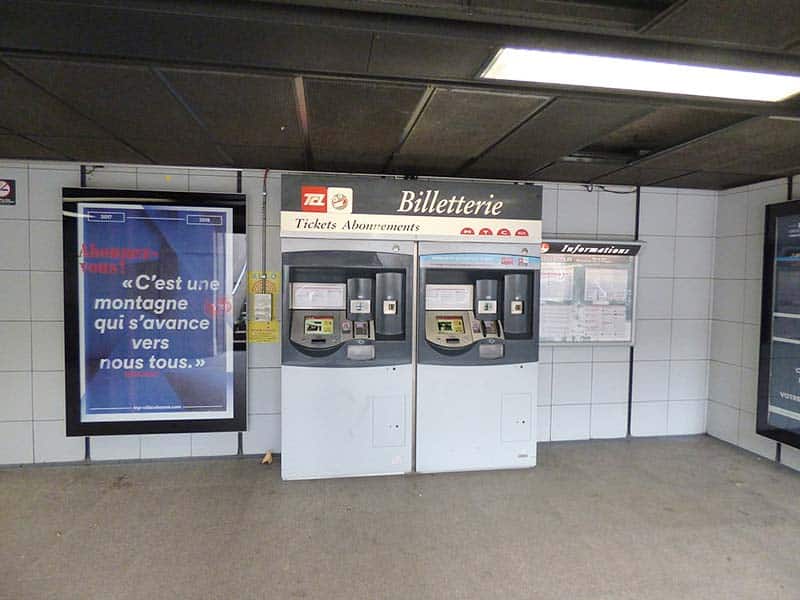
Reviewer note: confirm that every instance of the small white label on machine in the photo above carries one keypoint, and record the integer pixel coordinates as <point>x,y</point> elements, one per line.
<point>448,297</point>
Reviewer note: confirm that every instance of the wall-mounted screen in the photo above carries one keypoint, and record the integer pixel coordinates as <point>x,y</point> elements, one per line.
<point>450,324</point>
<point>587,292</point>
<point>779,358</point>
<point>318,326</point>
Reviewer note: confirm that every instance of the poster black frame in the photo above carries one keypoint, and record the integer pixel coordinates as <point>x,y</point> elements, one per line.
<point>763,427</point>
<point>74,425</point>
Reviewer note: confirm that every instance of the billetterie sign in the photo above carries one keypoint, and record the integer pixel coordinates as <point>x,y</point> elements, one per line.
<point>398,208</point>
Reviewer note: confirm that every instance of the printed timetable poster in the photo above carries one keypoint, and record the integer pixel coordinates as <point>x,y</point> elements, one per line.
<point>156,286</point>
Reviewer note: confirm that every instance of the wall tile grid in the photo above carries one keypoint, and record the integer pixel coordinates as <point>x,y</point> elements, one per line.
<point>583,391</point>
<point>736,316</point>
<point>32,420</point>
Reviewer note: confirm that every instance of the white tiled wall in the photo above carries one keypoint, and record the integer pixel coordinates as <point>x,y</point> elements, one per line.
<point>670,381</point>
<point>736,315</point>
<point>584,390</point>
<point>32,421</point>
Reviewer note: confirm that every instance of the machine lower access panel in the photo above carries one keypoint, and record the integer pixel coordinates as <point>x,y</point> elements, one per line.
<point>345,422</point>
<point>476,418</point>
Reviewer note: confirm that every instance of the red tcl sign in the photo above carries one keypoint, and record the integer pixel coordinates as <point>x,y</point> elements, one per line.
<point>313,198</point>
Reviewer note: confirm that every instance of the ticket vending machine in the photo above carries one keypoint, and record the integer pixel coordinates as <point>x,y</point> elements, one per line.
<point>347,374</point>
<point>477,356</point>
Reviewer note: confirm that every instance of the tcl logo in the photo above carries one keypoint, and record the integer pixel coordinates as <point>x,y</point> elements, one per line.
<point>326,199</point>
<point>314,198</point>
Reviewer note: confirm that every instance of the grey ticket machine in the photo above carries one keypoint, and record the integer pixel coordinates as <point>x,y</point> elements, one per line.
<point>477,354</point>
<point>346,376</point>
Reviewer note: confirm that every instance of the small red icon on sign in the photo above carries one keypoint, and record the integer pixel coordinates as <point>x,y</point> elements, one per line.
<point>507,260</point>
<point>220,307</point>
<point>503,231</point>
<point>468,231</point>
<point>521,233</point>
<point>485,231</point>
<point>313,198</point>
<point>545,247</point>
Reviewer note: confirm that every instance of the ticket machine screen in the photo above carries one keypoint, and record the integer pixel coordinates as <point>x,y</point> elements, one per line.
<point>450,324</point>
<point>318,325</point>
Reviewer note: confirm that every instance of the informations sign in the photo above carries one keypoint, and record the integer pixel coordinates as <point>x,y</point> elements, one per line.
<point>779,359</point>
<point>152,305</point>
<point>587,292</point>
<point>417,209</point>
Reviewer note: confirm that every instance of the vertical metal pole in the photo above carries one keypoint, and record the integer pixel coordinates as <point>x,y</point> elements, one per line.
<point>630,352</point>
<point>87,444</point>
<point>414,317</point>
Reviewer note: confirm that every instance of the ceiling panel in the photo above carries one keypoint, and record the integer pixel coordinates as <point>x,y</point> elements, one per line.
<point>425,56</point>
<point>713,181</point>
<point>783,161</point>
<point>639,176</point>
<point>576,171</point>
<point>458,125</point>
<point>357,125</point>
<point>241,109</point>
<point>770,24</point>
<point>28,110</point>
<point>14,146</point>
<point>663,128</point>
<point>92,149</point>
<point>556,131</point>
<point>265,157</point>
<point>618,14</point>
<point>737,149</point>
<point>129,101</point>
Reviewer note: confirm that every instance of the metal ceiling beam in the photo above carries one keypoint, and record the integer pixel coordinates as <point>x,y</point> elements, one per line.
<point>301,105</point>
<point>620,43</point>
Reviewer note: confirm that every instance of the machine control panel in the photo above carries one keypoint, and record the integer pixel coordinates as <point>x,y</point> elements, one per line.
<point>319,329</point>
<point>459,329</point>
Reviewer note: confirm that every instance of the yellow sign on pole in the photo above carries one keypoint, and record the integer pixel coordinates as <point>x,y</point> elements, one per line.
<point>264,292</point>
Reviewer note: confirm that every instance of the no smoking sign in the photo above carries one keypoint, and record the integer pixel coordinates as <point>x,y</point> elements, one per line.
<point>8,192</point>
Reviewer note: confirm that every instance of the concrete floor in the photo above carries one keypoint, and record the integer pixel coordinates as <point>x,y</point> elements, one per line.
<point>659,518</point>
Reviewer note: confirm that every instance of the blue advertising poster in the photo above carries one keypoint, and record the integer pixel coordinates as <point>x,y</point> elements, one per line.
<point>784,368</point>
<point>156,311</point>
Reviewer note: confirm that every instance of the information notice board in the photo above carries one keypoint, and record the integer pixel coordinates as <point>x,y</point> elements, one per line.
<point>587,292</point>
<point>779,358</point>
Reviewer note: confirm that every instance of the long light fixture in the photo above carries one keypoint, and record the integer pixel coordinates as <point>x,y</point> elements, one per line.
<point>564,68</point>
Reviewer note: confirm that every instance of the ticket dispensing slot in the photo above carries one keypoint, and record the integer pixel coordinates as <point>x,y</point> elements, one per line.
<point>486,310</point>
<point>360,304</point>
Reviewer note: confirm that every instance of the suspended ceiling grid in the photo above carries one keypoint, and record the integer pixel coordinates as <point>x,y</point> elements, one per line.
<point>390,86</point>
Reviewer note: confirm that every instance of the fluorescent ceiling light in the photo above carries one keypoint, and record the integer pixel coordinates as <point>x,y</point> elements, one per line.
<point>563,68</point>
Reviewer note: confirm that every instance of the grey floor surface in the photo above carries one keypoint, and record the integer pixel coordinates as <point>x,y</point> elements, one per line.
<point>660,518</point>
